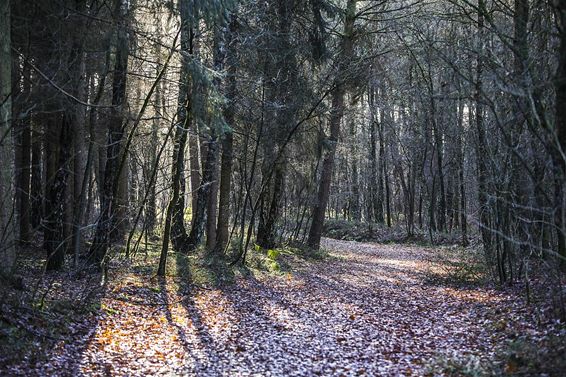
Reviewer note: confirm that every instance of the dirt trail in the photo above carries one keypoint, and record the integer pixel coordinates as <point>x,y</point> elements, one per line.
<point>366,310</point>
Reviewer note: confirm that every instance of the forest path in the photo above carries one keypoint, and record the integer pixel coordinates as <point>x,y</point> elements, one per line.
<point>365,310</point>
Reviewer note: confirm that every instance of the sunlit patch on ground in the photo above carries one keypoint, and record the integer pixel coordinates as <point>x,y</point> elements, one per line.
<point>366,311</point>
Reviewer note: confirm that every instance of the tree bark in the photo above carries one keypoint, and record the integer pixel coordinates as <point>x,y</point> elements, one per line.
<point>150,218</point>
<point>54,236</point>
<point>116,129</point>
<point>315,232</point>
<point>481,145</point>
<point>355,197</point>
<point>59,209</point>
<point>174,218</point>
<point>461,182</point>
<point>384,176</point>
<point>376,179</point>
<point>222,233</point>
<point>36,201</point>
<point>559,159</point>
<point>199,213</point>
<point>7,223</point>
<point>22,138</point>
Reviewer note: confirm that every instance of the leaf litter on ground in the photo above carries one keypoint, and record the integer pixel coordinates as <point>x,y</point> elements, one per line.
<point>368,310</point>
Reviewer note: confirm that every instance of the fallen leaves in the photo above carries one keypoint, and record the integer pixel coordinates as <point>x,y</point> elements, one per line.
<point>367,310</point>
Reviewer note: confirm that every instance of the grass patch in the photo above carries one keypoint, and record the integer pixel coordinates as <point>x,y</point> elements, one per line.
<point>281,260</point>
<point>458,266</point>
<point>200,269</point>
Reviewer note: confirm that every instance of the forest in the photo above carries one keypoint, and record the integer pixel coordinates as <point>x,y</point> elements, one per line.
<point>283,187</point>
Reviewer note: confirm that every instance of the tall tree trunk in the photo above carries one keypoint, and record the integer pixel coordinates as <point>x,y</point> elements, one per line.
<point>107,216</point>
<point>266,228</point>
<point>520,220</point>
<point>279,76</point>
<point>150,218</point>
<point>315,232</point>
<point>461,182</point>
<point>559,155</point>
<point>212,199</point>
<point>202,190</point>
<point>178,231</point>
<point>384,175</point>
<point>174,218</point>
<point>355,198</point>
<point>376,178</point>
<point>81,167</point>
<point>23,161</point>
<point>122,200</point>
<point>219,55</point>
<point>199,213</point>
<point>222,233</point>
<point>195,168</point>
<point>438,144</point>
<point>481,145</point>
<point>7,223</point>
<point>36,201</point>
<point>54,235</point>
<point>179,239</point>
<point>59,215</point>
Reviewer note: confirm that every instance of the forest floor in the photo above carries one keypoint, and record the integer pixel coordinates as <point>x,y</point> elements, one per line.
<point>363,310</point>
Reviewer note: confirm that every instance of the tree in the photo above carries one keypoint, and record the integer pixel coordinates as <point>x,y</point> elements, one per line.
<point>227,140</point>
<point>112,171</point>
<point>337,110</point>
<point>559,140</point>
<point>7,219</point>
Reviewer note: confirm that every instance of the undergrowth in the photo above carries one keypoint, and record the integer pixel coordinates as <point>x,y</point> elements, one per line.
<point>279,260</point>
<point>523,356</point>
<point>458,266</point>
<point>373,232</point>
<point>453,365</point>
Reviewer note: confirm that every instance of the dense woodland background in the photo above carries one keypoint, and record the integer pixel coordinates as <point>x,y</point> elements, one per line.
<point>230,125</point>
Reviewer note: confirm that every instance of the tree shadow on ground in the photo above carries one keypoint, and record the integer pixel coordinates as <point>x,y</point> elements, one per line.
<point>49,314</point>
<point>187,274</point>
